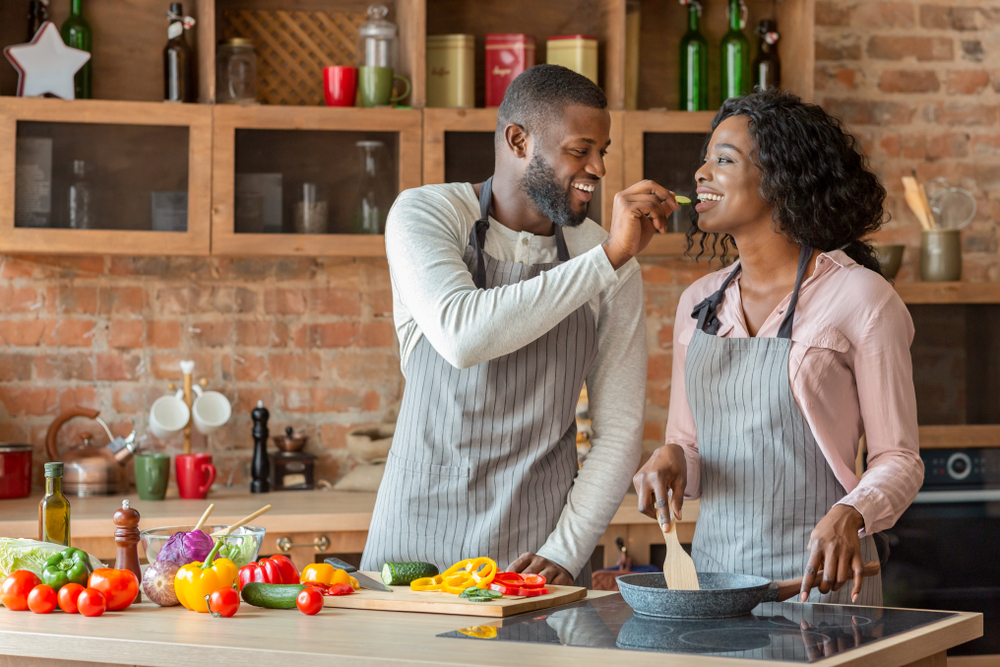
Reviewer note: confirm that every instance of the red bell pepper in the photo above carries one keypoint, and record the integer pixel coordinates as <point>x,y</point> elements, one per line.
<point>533,592</point>
<point>274,570</point>
<point>533,581</point>
<point>330,589</point>
<point>519,591</point>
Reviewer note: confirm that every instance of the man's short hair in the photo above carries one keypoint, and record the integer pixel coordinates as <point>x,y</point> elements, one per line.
<point>539,94</point>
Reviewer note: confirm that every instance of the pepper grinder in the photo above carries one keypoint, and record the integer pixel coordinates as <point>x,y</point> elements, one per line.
<point>127,539</point>
<point>261,469</point>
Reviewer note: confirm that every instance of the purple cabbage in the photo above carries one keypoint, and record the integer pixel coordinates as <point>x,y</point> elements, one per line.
<point>186,547</point>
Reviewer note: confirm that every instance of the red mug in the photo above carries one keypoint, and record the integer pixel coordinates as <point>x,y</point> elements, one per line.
<point>195,474</point>
<point>340,85</point>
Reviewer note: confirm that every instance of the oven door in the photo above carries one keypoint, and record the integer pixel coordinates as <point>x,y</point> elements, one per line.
<point>945,554</point>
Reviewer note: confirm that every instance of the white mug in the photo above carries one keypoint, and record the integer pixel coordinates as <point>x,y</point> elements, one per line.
<point>168,416</point>
<point>210,411</point>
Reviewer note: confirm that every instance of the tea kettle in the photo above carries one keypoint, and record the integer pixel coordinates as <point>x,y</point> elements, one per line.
<point>90,470</point>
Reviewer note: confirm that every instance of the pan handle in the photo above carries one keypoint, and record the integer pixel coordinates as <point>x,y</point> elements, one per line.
<point>779,591</point>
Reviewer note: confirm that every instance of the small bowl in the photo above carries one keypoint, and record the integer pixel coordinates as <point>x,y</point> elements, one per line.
<point>292,443</point>
<point>244,543</point>
<point>890,257</point>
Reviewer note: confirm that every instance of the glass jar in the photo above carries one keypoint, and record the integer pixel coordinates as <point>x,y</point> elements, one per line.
<point>377,39</point>
<point>236,72</point>
<point>374,193</point>
<point>311,211</point>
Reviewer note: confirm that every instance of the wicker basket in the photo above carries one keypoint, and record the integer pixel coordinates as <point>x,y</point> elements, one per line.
<point>293,48</point>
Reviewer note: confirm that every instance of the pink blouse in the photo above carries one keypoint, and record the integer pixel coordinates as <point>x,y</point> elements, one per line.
<point>851,375</point>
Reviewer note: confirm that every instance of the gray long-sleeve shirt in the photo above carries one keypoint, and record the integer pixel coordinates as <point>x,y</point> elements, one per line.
<point>427,233</point>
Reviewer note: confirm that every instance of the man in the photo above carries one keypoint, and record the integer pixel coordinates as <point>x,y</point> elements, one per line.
<point>506,299</point>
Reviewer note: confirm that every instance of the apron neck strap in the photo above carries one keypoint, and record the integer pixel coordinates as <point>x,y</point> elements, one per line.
<point>477,236</point>
<point>805,254</point>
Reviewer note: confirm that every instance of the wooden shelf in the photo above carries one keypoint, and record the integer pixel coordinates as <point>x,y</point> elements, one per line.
<point>336,170</point>
<point>131,117</point>
<point>960,436</point>
<point>949,293</point>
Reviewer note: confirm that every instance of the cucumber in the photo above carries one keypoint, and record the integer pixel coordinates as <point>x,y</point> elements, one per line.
<point>401,574</point>
<point>271,596</point>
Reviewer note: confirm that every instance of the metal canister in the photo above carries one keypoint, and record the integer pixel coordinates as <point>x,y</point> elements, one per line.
<point>451,71</point>
<point>576,52</point>
<point>507,55</point>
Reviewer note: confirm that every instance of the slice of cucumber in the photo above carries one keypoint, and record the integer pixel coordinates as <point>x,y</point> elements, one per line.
<point>401,574</point>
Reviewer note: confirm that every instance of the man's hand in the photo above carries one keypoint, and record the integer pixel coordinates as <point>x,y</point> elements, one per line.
<point>529,563</point>
<point>834,548</point>
<point>638,212</point>
<point>664,472</point>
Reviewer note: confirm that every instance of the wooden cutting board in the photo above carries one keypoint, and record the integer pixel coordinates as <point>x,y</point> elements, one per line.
<point>403,599</point>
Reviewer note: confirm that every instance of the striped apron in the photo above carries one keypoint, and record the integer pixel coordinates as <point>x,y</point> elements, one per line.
<point>483,458</point>
<point>765,484</point>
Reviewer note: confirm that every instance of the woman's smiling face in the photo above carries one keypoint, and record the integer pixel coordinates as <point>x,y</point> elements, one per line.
<point>729,182</point>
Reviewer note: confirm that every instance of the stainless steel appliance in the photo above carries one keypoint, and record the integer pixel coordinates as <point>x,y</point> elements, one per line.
<point>945,549</point>
<point>780,631</point>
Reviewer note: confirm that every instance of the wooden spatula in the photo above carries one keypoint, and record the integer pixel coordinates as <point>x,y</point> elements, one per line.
<point>678,568</point>
<point>241,522</point>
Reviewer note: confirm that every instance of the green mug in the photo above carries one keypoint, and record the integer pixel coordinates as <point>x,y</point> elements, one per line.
<point>375,85</point>
<point>152,472</point>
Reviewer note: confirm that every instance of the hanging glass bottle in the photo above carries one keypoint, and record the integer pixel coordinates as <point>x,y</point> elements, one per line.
<point>694,62</point>
<point>735,51</point>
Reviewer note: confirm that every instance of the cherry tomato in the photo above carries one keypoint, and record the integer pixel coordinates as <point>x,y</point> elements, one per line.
<point>309,601</point>
<point>224,602</point>
<point>16,587</point>
<point>67,596</point>
<point>119,587</point>
<point>91,602</point>
<point>42,599</point>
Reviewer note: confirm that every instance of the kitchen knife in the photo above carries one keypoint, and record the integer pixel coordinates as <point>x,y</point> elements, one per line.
<point>363,579</point>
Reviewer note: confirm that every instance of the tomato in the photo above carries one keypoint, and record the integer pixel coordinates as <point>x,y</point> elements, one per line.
<point>67,596</point>
<point>309,601</point>
<point>224,602</point>
<point>42,599</point>
<point>16,587</point>
<point>91,602</point>
<point>119,587</point>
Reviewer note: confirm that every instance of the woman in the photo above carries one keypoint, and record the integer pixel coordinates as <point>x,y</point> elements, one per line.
<point>783,361</point>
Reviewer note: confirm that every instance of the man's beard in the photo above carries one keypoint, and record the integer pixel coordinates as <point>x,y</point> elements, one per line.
<point>549,197</point>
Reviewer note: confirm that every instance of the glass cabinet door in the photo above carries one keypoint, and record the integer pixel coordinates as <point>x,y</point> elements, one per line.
<point>105,177</point>
<point>316,182</point>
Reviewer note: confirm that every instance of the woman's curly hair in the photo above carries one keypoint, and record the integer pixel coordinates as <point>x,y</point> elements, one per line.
<point>823,192</point>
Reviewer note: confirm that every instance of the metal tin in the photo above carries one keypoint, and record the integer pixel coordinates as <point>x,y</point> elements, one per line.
<point>576,52</point>
<point>507,55</point>
<point>451,71</point>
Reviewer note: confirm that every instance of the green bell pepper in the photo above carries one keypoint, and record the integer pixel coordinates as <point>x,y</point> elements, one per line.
<point>69,566</point>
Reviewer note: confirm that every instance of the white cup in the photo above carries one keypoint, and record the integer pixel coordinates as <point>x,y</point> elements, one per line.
<point>210,411</point>
<point>168,416</point>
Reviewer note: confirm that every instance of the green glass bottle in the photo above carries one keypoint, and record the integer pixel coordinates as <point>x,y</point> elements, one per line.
<point>694,62</point>
<point>735,62</point>
<point>76,32</point>
<point>53,510</point>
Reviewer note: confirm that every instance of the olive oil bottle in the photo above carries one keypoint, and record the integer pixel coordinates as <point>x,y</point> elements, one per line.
<point>53,510</point>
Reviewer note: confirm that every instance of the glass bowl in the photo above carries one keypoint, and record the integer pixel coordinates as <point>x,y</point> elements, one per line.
<point>243,545</point>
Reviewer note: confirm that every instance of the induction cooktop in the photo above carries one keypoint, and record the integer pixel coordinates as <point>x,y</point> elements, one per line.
<point>780,631</point>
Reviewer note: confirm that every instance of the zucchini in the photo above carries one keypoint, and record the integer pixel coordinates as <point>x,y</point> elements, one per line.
<point>402,574</point>
<point>271,596</point>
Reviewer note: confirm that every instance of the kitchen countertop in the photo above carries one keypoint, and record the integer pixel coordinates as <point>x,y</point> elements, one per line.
<point>146,635</point>
<point>291,512</point>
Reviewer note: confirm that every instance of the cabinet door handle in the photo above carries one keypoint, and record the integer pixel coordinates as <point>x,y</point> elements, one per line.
<point>321,543</point>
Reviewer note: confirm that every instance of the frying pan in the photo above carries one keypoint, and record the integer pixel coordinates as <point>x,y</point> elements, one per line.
<point>721,596</point>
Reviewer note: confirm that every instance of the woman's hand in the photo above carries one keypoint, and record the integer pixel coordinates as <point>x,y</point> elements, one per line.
<point>834,548</point>
<point>664,472</point>
<point>529,563</point>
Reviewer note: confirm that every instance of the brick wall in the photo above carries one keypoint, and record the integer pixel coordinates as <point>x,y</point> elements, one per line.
<point>311,338</point>
<point>918,82</point>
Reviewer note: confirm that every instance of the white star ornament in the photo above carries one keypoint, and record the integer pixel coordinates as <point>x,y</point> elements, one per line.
<point>46,64</point>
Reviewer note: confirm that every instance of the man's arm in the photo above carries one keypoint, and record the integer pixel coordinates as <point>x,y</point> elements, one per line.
<point>425,241</point>
<point>616,392</point>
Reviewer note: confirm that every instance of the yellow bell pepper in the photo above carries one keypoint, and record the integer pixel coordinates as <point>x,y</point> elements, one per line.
<point>463,574</point>
<point>456,583</point>
<point>195,581</point>
<point>427,583</point>
<point>480,632</point>
<point>326,574</point>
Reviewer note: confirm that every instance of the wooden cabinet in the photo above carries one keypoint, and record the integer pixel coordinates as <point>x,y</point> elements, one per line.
<point>305,145</point>
<point>78,189</point>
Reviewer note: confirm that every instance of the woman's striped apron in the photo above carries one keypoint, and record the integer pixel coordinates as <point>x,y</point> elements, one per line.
<point>765,484</point>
